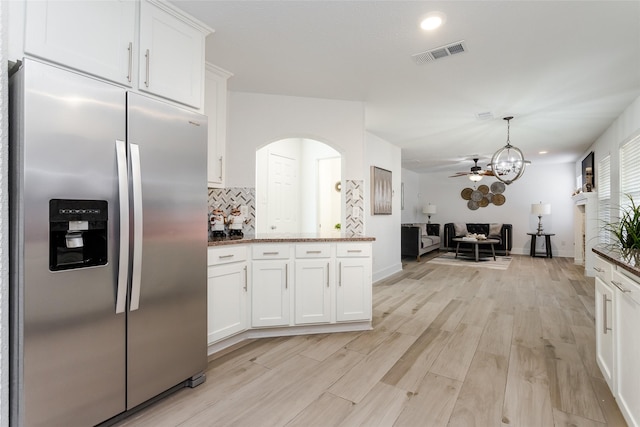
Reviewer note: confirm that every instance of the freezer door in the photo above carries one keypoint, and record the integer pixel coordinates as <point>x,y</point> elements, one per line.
<point>68,343</point>
<point>167,327</point>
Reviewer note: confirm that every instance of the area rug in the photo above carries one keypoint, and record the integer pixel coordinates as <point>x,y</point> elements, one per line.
<point>466,260</point>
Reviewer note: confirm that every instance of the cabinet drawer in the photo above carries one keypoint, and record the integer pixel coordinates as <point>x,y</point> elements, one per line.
<point>626,285</point>
<point>226,254</point>
<point>354,250</point>
<point>314,250</point>
<point>602,269</point>
<point>277,251</point>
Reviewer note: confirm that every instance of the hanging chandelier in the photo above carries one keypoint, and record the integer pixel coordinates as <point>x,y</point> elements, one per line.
<point>508,163</point>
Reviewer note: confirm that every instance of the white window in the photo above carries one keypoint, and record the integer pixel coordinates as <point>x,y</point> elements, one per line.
<point>630,173</point>
<point>604,198</point>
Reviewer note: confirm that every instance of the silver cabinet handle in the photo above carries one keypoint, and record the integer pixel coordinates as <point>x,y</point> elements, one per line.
<point>221,168</point>
<point>340,274</point>
<point>354,250</point>
<point>314,252</point>
<point>130,49</point>
<point>605,328</point>
<point>286,276</point>
<point>598,269</point>
<point>146,56</point>
<point>619,286</point>
<point>245,278</point>
<point>123,200</point>
<point>225,256</point>
<point>327,275</point>
<point>136,272</point>
<point>270,253</point>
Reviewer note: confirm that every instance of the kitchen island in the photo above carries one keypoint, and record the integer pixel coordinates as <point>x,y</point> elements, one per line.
<point>617,298</point>
<point>272,285</point>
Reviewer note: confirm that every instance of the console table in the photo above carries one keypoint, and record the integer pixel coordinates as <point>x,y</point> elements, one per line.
<point>547,244</point>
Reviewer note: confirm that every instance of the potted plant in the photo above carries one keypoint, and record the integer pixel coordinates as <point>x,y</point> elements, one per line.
<point>627,229</point>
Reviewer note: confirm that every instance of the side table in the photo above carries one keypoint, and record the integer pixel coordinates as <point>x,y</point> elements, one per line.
<point>547,244</point>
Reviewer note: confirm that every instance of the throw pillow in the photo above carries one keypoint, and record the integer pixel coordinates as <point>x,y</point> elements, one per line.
<point>460,229</point>
<point>495,229</point>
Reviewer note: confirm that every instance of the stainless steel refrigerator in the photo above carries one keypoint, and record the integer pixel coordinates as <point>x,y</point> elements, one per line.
<point>108,247</point>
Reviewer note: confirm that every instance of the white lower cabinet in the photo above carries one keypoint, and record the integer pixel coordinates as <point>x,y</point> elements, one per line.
<point>605,332</point>
<point>270,290</point>
<point>313,284</point>
<point>353,295</point>
<point>227,292</point>
<point>617,300</point>
<point>627,349</point>
<point>274,289</point>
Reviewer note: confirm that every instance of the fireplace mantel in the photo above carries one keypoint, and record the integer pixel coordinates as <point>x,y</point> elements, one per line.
<point>585,226</point>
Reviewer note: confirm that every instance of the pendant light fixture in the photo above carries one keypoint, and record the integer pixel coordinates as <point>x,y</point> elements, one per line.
<point>508,163</point>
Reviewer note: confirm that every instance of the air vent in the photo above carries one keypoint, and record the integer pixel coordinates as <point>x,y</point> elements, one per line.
<point>485,115</point>
<point>440,52</point>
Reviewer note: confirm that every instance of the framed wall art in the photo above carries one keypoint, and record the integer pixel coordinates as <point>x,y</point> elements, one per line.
<point>588,173</point>
<point>381,191</point>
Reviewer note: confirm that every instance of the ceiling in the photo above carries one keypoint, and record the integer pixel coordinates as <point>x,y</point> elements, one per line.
<point>564,69</point>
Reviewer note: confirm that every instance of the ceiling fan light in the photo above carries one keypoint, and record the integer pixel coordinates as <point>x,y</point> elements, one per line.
<point>475,177</point>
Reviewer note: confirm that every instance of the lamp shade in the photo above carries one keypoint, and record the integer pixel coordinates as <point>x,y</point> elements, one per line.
<point>540,209</point>
<point>429,209</point>
<point>475,177</point>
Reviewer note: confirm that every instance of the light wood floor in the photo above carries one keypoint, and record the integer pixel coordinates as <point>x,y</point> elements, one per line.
<point>450,346</point>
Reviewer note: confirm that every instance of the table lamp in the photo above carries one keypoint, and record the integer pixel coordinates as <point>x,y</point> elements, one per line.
<point>429,210</point>
<point>540,209</point>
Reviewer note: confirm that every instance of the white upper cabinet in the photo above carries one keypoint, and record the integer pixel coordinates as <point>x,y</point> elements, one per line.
<point>95,37</point>
<point>215,107</point>
<point>171,55</point>
<point>147,45</point>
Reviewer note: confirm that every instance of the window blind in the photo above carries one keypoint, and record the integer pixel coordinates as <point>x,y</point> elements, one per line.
<point>630,172</point>
<point>604,198</point>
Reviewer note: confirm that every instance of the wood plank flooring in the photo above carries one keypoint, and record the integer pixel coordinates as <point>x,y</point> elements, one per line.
<point>451,346</point>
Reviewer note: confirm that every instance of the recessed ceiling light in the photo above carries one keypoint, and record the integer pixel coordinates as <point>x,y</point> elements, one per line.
<point>542,152</point>
<point>432,21</point>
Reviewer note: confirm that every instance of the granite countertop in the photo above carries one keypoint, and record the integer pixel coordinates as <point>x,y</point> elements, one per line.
<point>628,259</point>
<point>292,238</point>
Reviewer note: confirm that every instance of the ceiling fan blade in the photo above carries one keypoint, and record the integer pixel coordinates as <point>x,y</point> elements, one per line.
<point>458,174</point>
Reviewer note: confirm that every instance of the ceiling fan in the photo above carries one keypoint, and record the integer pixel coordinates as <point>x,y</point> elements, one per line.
<point>476,172</point>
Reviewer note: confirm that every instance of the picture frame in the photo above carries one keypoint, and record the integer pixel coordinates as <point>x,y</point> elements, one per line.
<point>381,191</point>
<point>588,173</point>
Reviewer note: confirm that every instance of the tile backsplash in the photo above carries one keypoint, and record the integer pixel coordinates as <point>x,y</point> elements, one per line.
<point>228,198</point>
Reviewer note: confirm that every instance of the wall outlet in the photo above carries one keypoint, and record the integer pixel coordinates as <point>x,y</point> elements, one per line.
<point>355,213</point>
<point>244,210</point>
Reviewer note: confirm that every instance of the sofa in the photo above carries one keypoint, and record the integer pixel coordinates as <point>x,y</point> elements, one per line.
<point>501,232</point>
<point>418,239</point>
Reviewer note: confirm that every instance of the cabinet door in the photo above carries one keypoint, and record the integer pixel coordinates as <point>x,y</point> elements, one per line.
<point>215,108</point>
<point>312,291</point>
<point>171,56</point>
<point>270,301</point>
<point>604,331</point>
<point>627,319</point>
<point>354,289</point>
<point>227,300</point>
<point>96,37</point>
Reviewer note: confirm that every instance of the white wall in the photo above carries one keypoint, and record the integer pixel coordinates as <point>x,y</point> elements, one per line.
<point>385,228</point>
<point>623,129</point>
<point>255,120</point>
<point>547,183</point>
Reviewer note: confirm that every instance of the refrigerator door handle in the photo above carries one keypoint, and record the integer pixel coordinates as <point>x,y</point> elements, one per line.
<point>136,181</point>
<point>123,194</point>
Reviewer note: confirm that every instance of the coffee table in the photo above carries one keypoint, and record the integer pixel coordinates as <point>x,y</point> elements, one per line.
<point>476,244</point>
